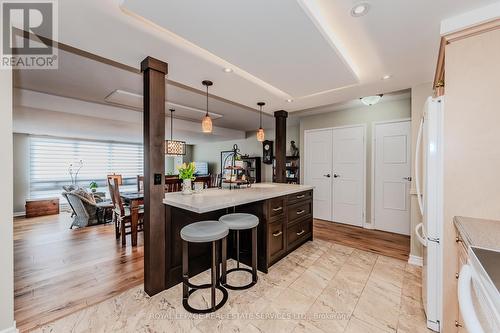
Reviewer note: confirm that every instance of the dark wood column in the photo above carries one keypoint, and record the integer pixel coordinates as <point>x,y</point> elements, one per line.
<point>280,145</point>
<point>154,72</point>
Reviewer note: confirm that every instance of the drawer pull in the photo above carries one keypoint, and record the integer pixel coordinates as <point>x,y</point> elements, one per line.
<point>276,234</point>
<point>300,212</point>
<point>300,233</point>
<point>301,196</point>
<point>277,209</point>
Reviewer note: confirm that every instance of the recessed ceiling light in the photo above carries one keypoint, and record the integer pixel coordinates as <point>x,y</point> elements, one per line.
<point>360,9</point>
<point>228,70</point>
<point>371,100</point>
<point>289,100</point>
<point>386,77</point>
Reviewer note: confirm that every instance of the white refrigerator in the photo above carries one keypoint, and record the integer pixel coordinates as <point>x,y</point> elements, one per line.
<point>429,186</point>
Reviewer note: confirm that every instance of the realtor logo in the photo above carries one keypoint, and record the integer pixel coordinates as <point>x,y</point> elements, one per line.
<point>29,29</point>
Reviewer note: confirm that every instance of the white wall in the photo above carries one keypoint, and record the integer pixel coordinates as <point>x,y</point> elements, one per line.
<point>21,171</point>
<point>6,226</point>
<point>210,152</point>
<point>363,115</point>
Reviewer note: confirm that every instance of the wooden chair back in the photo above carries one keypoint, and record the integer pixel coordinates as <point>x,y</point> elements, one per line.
<point>115,176</point>
<point>114,193</point>
<point>140,183</point>
<point>173,185</point>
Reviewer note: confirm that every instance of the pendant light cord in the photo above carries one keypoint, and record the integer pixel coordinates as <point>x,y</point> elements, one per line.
<point>260,116</point>
<point>171,124</point>
<point>207,102</point>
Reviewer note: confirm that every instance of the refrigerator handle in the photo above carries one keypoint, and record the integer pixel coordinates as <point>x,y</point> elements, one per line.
<point>417,167</point>
<point>421,238</point>
<point>465,301</point>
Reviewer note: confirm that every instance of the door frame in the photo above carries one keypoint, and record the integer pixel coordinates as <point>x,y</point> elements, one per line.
<point>374,125</point>
<point>364,126</point>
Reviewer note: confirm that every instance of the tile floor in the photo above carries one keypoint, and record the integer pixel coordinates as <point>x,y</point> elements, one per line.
<point>321,287</point>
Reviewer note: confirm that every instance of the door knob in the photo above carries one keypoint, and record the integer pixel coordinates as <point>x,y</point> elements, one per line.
<point>407,178</point>
<point>336,175</point>
<point>327,175</point>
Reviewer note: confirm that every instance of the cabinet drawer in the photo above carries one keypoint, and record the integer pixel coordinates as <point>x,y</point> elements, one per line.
<point>301,196</point>
<point>276,206</point>
<point>276,240</point>
<point>299,210</point>
<point>298,231</point>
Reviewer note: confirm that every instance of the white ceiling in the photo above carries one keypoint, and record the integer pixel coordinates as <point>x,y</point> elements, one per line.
<point>274,51</point>
<point>273,40</point>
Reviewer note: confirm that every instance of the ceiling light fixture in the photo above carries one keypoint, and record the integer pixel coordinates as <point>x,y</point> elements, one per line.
<point>206,123</point>
<point>289,100</point>
<point>174,147</point>
<point>371,100</point>
<point>386,77</point>
<point>360,9</point>
<point>228,70</point>
<point>260,132</point>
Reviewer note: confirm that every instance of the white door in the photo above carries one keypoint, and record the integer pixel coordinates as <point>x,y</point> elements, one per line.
<point>392,177</point>
<point>349,175</point>
<point>318,168</point>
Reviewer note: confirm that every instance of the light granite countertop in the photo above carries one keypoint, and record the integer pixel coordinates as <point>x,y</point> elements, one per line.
<point>479,232</point>
<point>214,198</point>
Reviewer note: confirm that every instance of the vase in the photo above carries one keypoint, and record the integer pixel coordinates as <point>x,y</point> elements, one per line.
<point>186,186</point>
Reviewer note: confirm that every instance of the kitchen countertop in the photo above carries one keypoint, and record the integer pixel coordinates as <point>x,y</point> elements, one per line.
<point>479,232</point>
<point>214,198</point>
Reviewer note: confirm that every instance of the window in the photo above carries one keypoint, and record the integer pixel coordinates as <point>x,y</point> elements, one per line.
<point>50,160</point>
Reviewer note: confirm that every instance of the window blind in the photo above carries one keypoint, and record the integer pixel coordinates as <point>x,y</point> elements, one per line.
<point>50,160</point>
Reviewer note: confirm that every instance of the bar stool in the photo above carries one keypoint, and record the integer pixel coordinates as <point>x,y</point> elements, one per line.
<point>203,232</point>
<point>237,222</point>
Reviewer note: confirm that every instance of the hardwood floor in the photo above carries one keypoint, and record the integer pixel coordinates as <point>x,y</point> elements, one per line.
<point>380,242</point>
<point>58,271</point>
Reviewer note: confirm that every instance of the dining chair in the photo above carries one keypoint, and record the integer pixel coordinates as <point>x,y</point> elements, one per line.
<point>173,185</point>
<point>115,176</point>
<point>122,213</point>
<point>140,183</point>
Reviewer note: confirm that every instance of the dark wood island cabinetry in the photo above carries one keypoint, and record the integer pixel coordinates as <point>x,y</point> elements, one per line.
<point>284,211</point>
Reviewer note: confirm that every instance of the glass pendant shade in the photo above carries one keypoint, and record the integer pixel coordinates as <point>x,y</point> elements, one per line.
<point>206,124</point>
<point>260,132</point>
<point>260,135</point>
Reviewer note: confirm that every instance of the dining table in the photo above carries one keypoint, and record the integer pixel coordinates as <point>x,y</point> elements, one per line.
<point>134,200</point>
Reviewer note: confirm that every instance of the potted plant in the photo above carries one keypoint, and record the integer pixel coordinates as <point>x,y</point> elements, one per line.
<point>186,173</point>
<point>238,162</point>
<point>93,186</point>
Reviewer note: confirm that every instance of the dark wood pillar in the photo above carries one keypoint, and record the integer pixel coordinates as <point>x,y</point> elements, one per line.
<point>280,145</point>
<point>154,72</point>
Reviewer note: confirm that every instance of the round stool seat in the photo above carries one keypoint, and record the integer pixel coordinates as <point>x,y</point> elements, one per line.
<point>203,232</point>
<point>240,221</point>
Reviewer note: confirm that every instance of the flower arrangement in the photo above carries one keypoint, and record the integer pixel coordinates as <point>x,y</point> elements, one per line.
<point>186,171</point>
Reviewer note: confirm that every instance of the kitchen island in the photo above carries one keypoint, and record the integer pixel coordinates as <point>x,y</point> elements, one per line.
<point>285,213</point>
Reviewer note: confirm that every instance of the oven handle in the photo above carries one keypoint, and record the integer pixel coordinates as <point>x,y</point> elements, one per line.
<point>465,301</point>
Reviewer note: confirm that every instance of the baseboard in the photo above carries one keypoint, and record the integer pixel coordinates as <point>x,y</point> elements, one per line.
<point>11,329</point>
<point>368,225</point>
<point>414,260</point>
<point>17,214</point>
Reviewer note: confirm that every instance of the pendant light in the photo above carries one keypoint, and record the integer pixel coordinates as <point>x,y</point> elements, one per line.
<point>260,132</point>
<point>174,147</point>
<point>206,123</point>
